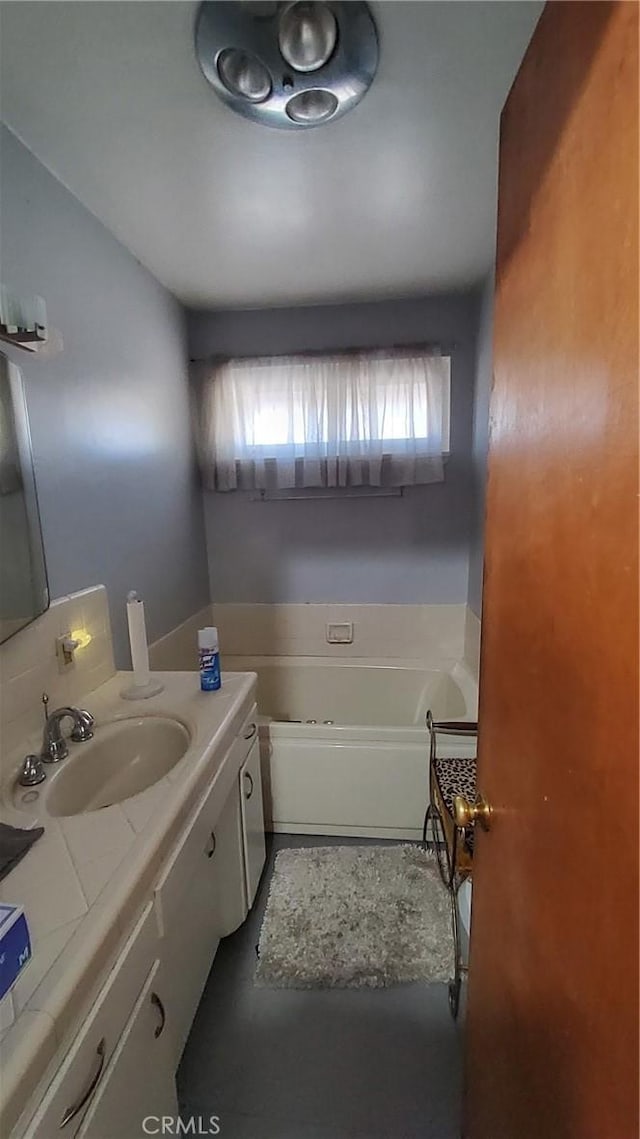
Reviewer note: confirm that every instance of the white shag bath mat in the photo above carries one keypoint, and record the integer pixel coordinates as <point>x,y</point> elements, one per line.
<point>355,916</point>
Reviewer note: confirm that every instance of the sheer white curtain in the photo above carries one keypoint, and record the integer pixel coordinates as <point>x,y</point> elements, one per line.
<point>374,419</point>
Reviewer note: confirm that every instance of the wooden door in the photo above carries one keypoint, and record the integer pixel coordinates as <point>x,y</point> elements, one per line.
<point>553,986</point>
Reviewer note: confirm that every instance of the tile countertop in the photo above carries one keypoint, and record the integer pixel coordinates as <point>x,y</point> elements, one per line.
<point>84,881</point>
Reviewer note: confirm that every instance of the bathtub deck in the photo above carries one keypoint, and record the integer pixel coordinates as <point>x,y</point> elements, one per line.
<point>333,1064</point>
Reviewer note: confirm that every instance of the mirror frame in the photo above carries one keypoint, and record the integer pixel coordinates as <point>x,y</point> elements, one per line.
<point>25,454</point>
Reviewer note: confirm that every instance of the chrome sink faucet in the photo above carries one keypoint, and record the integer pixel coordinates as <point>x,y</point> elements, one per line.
<point>54,745</point>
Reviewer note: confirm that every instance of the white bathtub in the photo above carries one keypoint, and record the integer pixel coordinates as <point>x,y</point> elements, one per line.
<point>366,771</point>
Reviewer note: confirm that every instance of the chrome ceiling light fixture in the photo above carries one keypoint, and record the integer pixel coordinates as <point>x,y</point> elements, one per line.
<point>292,65</point>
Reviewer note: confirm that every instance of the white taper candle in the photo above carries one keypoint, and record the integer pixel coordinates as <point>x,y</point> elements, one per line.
<point>138,639</point>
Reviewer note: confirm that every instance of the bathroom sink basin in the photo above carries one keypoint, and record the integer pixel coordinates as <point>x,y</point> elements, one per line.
<point>123,758</point>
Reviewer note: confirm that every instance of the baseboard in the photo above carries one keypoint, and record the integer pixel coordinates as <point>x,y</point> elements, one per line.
<point>411,834</point>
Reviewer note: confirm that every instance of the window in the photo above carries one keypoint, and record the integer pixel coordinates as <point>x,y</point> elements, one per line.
<point>363,419</point>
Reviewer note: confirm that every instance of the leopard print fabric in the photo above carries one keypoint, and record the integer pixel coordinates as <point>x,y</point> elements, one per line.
<point>457,777</point>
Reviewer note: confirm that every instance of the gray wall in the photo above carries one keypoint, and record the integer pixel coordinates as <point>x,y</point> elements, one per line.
<point>409,550</point>
<point>482,394</point>
<point>109,415</point>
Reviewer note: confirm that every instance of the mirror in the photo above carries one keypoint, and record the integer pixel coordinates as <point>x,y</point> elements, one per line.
<point>24,593</point>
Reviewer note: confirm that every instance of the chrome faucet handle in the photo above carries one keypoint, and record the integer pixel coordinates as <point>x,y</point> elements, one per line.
<point>32,772</point>
<point>83,726</point>
<point>54,749</point>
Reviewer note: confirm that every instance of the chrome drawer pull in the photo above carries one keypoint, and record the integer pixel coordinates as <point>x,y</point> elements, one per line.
<point>76,1107</point>
<point>210,853</point>
<point>159,1029</point>
<point>250,732</point>
<point>249,793</point>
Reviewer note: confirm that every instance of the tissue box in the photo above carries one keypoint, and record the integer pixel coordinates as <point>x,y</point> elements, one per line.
<point>15,945</point>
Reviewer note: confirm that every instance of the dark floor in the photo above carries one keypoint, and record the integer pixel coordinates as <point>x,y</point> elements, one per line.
<point>328,1064</point>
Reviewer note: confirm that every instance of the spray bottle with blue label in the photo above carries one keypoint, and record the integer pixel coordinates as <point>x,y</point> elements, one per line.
<point>210,680</point>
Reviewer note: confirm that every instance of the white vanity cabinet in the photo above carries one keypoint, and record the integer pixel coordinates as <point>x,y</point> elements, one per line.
<point>231,895</point>
<point>86,1065</point>
<point>199,899</point>
<point>139,1081</point>
<point>119,1064</point>
<point>252,819</point>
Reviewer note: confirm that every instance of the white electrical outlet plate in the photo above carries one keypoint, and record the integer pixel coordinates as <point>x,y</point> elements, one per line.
<point>340,633</point>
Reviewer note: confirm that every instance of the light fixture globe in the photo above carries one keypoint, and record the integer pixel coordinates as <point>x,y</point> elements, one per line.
<point>244,75</point>
<point>308,34</point>
<point>292,65</point>
<point>311,107</point>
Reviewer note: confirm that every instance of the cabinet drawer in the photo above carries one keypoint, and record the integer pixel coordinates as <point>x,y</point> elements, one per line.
<point>92,1049</point>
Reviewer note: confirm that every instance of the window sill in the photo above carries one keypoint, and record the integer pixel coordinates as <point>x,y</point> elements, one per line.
<point>307,493</point>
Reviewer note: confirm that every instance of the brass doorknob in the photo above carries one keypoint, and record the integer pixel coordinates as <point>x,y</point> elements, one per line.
<point>466,813</point>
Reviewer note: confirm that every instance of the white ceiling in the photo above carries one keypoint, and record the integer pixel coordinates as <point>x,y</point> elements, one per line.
<point>397,198</point>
